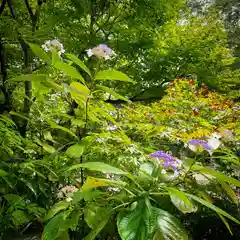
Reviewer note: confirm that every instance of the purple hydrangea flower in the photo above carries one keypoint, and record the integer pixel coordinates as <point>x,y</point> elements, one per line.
<point>193,144</point>
<point>107,50</point>
<point>169,161</point>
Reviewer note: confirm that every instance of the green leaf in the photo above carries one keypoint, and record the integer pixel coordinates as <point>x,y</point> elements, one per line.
<point>19,217</point>
<point>94,214</point>
<point>75,151</point>
<point>15,200</point>
<point>134,225</point>
<point>92,235</point>
<point>213,207</point>
<point>216,174</point>
<point>79,92</point>
<point>168,227</point>
<point>93,182</point>
<point>62,205</point>
<point>29,77</point>
<point>69,70</point>
<point>180,200</point>
<point>113,93</point>
<point>78,62</point>
<point>229,191</point>
<point>78,122</point>
<point>54,125</point>
<point>3,173</point>
<point>55,227</point>
<point>48,148</point>
<point>113,75</point>
<point>40,52</point>
<point>7,119</point>
<point>29,185</point>
<point>98,166</point>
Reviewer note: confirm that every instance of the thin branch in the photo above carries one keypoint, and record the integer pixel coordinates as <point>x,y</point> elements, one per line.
<point>29,9</point>
<point>2,6</point>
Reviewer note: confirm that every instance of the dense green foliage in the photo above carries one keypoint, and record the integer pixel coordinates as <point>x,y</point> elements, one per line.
<point>119,119</point>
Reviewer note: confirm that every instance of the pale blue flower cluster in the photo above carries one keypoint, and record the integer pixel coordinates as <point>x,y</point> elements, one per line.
<point>169,161</point>
<point>200,143</point>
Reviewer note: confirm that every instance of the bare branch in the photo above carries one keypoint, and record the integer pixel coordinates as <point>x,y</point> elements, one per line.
<point>2,6</point>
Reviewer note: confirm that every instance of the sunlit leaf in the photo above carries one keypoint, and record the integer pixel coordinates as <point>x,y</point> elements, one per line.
<point>59,206</point>
<point>29,77</point>
<point>98,166</point>
<point>229,191</point>
<point>113,75</point>
<point>78,62</point>
<point>75,150</point>
<point>93,182</point>
<point>69,70</point>
<point>180,200</point>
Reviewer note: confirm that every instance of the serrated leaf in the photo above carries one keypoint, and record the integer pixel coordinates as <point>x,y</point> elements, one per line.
<point>39,52</point>
<point>113,75</point>
<point>167,226</point>
<point>69,70</point>
<point>79,63</point>
<point>62,205</point>
<point>180,201</point>
<point>98,166</point>
<point>75,151</point>
<point>112,92</point>
<point>134,225</point>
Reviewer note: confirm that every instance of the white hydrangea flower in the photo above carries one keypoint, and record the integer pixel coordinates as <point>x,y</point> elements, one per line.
<point>102,51</point>
<point>53,45</point>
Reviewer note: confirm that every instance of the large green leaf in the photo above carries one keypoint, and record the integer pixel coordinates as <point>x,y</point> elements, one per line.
<point>79,92</point>
<point>180,200</point>
<point>216,174</point>
<point>75,150</point>
<point>92,235</point>
<point>134,225</point>
<point>40,53</point>
<point>69,70</point>
<point>15,200</point>
<point>29,77</point>
<point>19,217</point>
<point>56,227</point>
<point>62,205</point>
<point>113,93</point>
<point>213,207</point>
<point>113,75</point>
<point>78,62</point>
<point>98,166</point>
<point>167,226</point>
